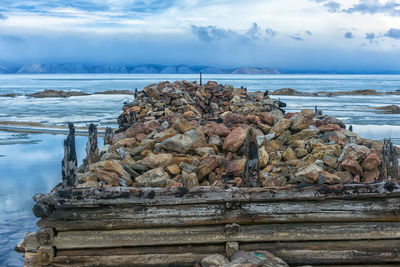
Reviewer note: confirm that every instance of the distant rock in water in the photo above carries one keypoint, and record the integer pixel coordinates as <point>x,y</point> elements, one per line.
<point>9,95</point>
<point>293,92</point>
<point>289,91</point>
<point>115,92</point>
<point>392,109</point>
<point>56,93</point>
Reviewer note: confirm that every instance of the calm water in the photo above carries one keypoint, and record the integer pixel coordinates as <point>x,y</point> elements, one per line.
<point>30,163</point>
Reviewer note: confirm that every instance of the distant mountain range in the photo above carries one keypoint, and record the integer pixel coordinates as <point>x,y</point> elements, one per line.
<point>121,68</point>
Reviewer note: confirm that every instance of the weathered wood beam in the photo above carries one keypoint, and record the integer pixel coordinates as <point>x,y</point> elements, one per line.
<point>92,197</point>
<point>228,233</point>
<point>33,241</point>
<point>251,177</point>
<point>332,252</point>
<point>390,163</point>
<point>69,163</point>
<point>108,136</point>
<point>92,150</point>
<point>45,255</point>
<point>141,216</point>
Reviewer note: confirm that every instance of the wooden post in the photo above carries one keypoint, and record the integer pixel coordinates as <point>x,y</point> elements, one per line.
<point>201,78</point>
<point>108,136</point>
<point>69,162</point>
<point>92,151</point>
<point>251,176</point>
<point>390,164</point>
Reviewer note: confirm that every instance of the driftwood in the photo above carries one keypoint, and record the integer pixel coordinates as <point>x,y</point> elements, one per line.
<point>108,136</point>
<point>390,164</point>
<point>251,176</point>
<point>69,163</point>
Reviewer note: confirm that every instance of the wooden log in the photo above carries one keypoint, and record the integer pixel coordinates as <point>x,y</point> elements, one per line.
<point>92,150</point>
<point>45,255</point>
<point>108,136</point>
<point>332,252</point>
<point>251,177</point>
<point>92,197</point>
<point>390,164</point>
<point>69,163</point>
<point>221,234</point>
<point>142,216</point>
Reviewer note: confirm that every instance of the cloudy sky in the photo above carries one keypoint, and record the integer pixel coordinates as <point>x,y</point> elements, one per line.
<point>292,35</point>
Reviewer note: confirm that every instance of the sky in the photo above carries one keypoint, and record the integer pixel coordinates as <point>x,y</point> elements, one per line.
<point>291,35</point>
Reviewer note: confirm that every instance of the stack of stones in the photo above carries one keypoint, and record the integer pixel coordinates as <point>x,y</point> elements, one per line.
<point>185,134</point>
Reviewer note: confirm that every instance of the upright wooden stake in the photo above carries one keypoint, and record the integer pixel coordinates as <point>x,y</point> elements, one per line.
<point>201,78</point>
<point>92,151</point>
<point>390,163</point>
<point>69,162</point>
<point>252,169</point>
<point>108,136</point>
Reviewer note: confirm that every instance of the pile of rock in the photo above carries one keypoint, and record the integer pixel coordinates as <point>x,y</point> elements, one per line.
<point>184,134</point>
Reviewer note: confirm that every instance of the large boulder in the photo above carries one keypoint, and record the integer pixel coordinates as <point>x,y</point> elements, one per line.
<point>157,160</point>
<point>371,162</point>
<point>351,165</point>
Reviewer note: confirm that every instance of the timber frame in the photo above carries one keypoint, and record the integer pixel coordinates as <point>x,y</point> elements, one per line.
<point>351,224</point>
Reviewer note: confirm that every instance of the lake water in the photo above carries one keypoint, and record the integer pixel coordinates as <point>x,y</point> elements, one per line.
<point>30,163</point>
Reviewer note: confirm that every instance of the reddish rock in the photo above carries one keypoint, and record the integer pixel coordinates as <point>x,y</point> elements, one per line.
<point>235,167</point>
<point>208,165</point>
<point>134,130</point>
<point>233,118</point>
<point>108,177</point>
<point>309,174</point>
<point>352,166</point>
<point>234,139</point>
<point>217,129</point>
<point>267,118</point>
<point>150,126</point>
<point>289,115</point>
<point>329,127</point>
<point>371,176</point>
<point>302,120</point>
<point>370,162</point>
<point>253,119</point>
<point>281,126</point>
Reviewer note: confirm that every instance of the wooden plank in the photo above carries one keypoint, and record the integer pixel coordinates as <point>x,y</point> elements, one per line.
<point>221,234</point>
<point>332,252</point>
<point>92,197</point>
<point>140,216</point>
<point>188,259</point>
<point>195,249</point>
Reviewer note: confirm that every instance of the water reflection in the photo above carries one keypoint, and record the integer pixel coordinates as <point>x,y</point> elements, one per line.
<point>27,169</point>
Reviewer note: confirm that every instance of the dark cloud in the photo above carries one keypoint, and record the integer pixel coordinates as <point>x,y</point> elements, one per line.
<point>370,36</point>
<point>3,17</point>
<point>254,32</point>
<point>393,33</point>
<point>391,8</point>
<point>308,32</point>
<point>297,38</point>
<point>210,33</point>
<point>332,6</point>
<point>348,35</point>
<point>270,32</point>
